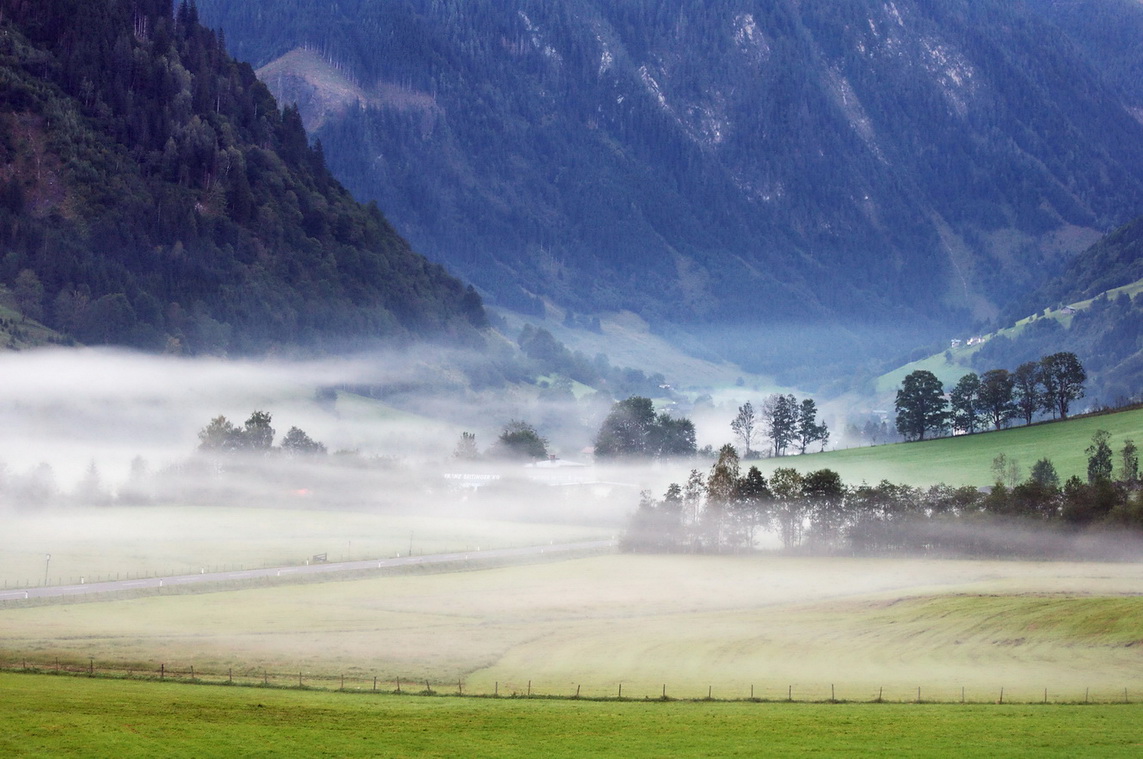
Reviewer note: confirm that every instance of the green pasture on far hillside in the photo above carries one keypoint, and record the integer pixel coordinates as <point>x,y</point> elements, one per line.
<point>68,716</point>
<point>967,459</point>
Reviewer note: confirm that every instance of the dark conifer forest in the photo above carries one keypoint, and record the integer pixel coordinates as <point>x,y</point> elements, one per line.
<point>153,194</point>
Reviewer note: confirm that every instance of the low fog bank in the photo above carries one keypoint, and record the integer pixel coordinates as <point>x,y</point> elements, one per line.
<point>731,509</point>
<point>96,427</point>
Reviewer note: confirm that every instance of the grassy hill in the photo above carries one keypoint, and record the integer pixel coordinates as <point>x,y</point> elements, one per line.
<point>967,459</point>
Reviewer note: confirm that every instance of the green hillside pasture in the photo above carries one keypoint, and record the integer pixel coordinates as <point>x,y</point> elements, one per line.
<point>950,371</point>
<point>50,716</point>
<point>692,624</point>
<point>967,459</point>
<point>111,543</point>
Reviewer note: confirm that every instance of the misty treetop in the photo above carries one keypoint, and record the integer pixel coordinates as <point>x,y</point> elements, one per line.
<point>632,429</point>
<point>256,435</point>
<point>520,441</point>
<point>815,512</point>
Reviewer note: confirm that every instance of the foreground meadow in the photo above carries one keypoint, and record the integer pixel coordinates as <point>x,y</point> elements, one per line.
<point>67,716</point>
<point>690,626</point>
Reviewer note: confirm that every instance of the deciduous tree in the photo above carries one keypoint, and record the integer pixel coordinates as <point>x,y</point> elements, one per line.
<point>1099,457</point>
<point>1062,377</point>
<point>745,427</point>
<point>520,440</point>
<point>996,397</point>
<point>921,406</point>
<point>1026,390</point>
<point>964,400</point>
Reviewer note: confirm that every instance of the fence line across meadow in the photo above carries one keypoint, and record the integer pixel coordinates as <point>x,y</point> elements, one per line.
<point>616,691</point>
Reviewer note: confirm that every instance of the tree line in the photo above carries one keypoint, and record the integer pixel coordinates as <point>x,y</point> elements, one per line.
<point>631,430</point>
<point>995,398</point>
<point>256,435</point>
<point>783,421</point>
<point>725,509</point>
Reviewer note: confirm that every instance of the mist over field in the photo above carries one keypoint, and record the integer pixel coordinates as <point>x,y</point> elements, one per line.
<point>391,485</point>
<point>128,425</point>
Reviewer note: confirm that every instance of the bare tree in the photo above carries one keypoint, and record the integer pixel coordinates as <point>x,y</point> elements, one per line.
<point>745,427</point>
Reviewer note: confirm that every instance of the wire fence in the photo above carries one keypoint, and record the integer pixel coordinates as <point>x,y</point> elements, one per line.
<point>614,691</point>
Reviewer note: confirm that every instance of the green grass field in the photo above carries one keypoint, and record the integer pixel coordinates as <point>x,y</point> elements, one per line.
<point>66,716</point>
<point>967,459</point>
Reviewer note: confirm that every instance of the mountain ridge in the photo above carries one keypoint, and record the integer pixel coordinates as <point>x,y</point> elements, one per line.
<point>912,164</point>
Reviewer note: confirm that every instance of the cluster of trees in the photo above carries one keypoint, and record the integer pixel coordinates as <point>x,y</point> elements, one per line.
<point>1049,385</point>
<point>256,435</point>
<point>164,201</point>
<point>632,429</point>
<point>783,421</point>
<point>725,509</point>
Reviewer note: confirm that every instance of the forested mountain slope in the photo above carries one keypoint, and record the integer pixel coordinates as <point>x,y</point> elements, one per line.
<point>153,194</point>
<point>1095,310</point>
<point>751,167</point>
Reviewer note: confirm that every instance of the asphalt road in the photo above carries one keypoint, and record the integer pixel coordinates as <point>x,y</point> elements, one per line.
<point>87,589</point>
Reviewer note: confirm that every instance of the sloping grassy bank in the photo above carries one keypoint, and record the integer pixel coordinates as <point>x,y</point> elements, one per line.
<point>967,459</point>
